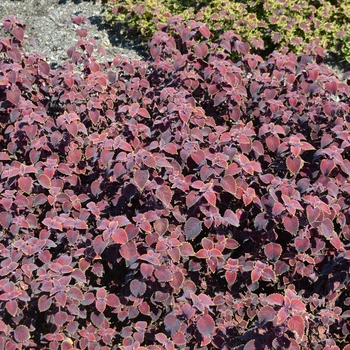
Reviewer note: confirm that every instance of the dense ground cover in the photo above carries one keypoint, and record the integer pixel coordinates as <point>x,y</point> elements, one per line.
<point>266,25</point>
<point>196,200</point>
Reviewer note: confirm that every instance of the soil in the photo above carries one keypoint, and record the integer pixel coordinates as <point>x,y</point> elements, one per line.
<point>47,21</point>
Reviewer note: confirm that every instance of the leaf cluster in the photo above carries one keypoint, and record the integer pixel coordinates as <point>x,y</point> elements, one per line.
<point>266,25</point>
<point>199,199</point>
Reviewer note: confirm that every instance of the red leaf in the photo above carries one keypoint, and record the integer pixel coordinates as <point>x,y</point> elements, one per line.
<point>251,345</point>
<point>163,274</point>
<point>75,156</point>
<point>191,199</point>
<point>231,218</point>
<point>12,307</point>
<point>146,270</point>
<point>179,338</point>
<point>119,236</point>
<point>266,314</point>
<point>25,183</point>
<point>172,323</point>
<point>137,288</point>
<point>294,164</point>
<point>170,148</point>
<point>60,318</point>
<point>18,33</point>
<point>141,178</point>
<point>255,275</point>
<point>275,299</point>
<point>220,97</point>
<point>164,194</point>
<point>178,280</point>
<point>21,334</point>
<point>13,96</point>
<point>273,251</point>
<point>201,50</point>
<point>326,228</point>
<point>112,300</point>
<point>100,305</point>
<point>99,245</point>
<point>205,31</point>
<point>82,32</point>
<point>15,54</point>
<point>301,244</point>
<point>186,249</point>
<point>44,303</point>
<point>210,196</point>
<point>206,325</point>
<point>282,315</point>
<point>128,251</point>
<point>101,294</point>
<point>298,305</point>
<point>272,142</point>
<point>231,277</point>
<point>4,156</point>
<point>291,224</point>
<point>119,170</point>
<point>133,109</point>
<point>326,166</point>
<point>297,324</point>
<point>76,294</point>
<point>193,227</point>
<point>44,181</point>
<point>44,68</point>
<point>229,184</point>
<point>143,113</point>
<point>312,214</point>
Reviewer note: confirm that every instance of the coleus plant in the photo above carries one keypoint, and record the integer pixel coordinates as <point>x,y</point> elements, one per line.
<point>196,200</point>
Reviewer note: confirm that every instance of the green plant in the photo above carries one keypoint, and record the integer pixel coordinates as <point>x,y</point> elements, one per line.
<point>269,25</point>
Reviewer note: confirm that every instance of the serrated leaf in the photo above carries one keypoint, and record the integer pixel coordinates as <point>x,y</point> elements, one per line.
<point>273,251</point>
<point>275,299</point>
<point>25,183</point>
<point>141,178</point>
<point>21,334</point>
<point>229,184</point>
<point>76,294</point>
<point>119,236</point>
<point>294,164</point>
<point>128,251</point>
<point>133,109</point>
<point>231,218</point>
<point>100,305</point>
<point>172,324</point>
<point>206,325</point>
<point>164,194</point>
<point>44,303</point>
<point>291,224</point>
<point>266,314</point>
<point>205,31</point>
<point>193,227</point>
<point>137,288</point>
<point>163,274</point>
<point>297,324</point>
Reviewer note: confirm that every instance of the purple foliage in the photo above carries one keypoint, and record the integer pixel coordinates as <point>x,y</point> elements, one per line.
<point>197,199</point>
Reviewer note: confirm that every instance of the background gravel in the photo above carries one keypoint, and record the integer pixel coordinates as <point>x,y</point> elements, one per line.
<point>47,22</point>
